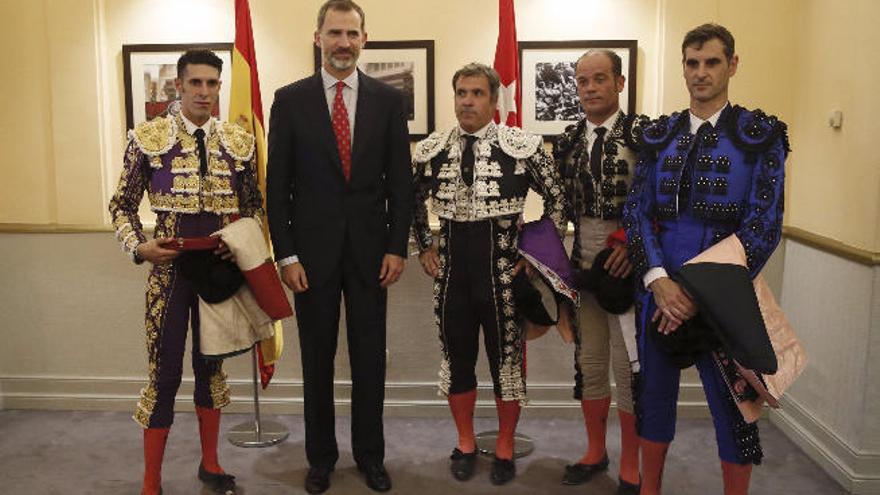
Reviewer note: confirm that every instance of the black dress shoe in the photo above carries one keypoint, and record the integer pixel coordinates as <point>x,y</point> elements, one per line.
<point>627,488</point>
<point>377,477</point>
<point>218,482</point>
<point>576,474</point>
<point>318,479</point>
<point>503,470</point>
<point>463,465</point>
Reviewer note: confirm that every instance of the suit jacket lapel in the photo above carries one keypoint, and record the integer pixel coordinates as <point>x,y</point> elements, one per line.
<point>365,111</point>
<point>316,104</point>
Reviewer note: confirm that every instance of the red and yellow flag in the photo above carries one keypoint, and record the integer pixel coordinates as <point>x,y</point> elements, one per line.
<point>246,110</point>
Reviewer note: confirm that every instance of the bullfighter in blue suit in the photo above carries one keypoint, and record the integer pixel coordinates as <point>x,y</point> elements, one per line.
<point>708,172</point>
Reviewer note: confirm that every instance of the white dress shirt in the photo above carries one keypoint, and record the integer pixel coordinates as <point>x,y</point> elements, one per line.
<point>591,129</point>
<point>191,127</point>
<point>349,95</point>
<point>479,134</point>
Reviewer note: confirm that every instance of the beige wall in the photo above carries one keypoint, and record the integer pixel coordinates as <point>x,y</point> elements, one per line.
<point>62,156</point>
<point>62,135</point>
<point>26,122</point>
<point>74,54</point>
<point>835,177</point>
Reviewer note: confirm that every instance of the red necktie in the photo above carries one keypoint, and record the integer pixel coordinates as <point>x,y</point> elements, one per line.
<point>342,130</point>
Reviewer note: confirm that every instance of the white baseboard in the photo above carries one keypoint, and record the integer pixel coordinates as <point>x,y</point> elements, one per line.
<point>858,472</point>
<point>285,396</point>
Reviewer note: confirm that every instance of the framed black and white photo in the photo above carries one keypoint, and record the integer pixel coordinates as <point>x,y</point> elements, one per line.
<point>409,67</point>
<point>549,89</point>
<point>149,72</point>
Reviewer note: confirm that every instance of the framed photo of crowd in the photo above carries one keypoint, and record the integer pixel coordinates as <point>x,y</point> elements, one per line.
<point>549,90</point>
<point>149,72</point>
<point>409,67</point>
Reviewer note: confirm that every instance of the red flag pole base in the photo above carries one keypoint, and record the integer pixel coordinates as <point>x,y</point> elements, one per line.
<point>257,433</point>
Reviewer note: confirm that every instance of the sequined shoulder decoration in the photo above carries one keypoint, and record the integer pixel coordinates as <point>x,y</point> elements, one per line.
<point>155,137</point>
<point>237,141</point>
<point>658,132</point>
<point>633,129</point>
<point>518,143</point>
<point>430,147</point>
<point>566,141</point>
<point>754,130</point>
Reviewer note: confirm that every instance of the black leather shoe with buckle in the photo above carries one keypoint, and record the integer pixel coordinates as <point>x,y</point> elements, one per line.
<point>576,474</point>
<point>503,470</point>
<point>376,477</point>
<point>218,482</point>
<point>318,479</point>
<point>462,465</point>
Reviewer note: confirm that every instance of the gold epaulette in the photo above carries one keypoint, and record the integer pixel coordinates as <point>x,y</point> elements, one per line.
<point>237,141</point>
<point>154,137</point>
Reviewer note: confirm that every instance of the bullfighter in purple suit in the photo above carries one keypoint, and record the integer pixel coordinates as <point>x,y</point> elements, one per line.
<point>198,175</point>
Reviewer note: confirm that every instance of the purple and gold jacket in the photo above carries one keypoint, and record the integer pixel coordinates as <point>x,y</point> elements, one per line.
<point>161,159</point>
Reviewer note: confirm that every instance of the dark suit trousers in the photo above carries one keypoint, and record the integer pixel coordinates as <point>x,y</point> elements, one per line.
<point>318,320</point>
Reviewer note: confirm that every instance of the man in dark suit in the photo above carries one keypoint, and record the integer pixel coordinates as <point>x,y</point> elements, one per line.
<point>339,199</point>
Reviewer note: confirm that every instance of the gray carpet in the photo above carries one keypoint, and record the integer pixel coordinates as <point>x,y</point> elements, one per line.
<point>100,453</point>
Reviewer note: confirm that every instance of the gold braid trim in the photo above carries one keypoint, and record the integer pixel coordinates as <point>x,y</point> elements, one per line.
<point>158,289</point>
<point>219,388</point>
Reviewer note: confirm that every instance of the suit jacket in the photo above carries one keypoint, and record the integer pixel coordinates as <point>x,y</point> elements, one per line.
<point>313,211</point>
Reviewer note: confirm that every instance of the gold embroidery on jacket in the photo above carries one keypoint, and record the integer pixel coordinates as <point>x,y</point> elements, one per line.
<point>186,184</point>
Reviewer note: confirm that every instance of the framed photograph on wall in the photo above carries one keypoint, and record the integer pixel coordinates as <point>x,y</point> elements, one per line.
<point>409,67</point>
<point>549,90</point>
<point>149,72</point>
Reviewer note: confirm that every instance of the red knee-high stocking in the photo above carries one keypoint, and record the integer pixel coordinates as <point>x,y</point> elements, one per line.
<point>154,450</point>
<point>629,448</point>
<point>508,416</point>
<point>596,421</point>
<point>736,478</point>
<point>462,407</point>
<point>209,431</point>
<point>653,459</point>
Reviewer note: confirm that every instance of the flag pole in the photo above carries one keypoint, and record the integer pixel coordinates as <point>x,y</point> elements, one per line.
<point>507,66</point>
<point>246,110</point>
<point>257,433</point>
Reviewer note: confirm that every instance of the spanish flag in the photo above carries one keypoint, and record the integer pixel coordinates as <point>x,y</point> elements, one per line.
<point>246,110</point>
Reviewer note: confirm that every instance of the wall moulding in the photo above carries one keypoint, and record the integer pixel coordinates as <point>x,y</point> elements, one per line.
<point>52,228</point>
<point>286,396</point>
<point>857,471</point>
<point>831,246</point>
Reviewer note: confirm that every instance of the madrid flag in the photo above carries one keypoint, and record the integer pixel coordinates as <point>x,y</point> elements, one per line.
<point>246,110</point>
<point>507,65</point>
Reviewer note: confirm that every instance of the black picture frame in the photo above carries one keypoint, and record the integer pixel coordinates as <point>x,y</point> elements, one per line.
<point>407,65</point>
<point>547,108</point>
<point>145,58</point>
